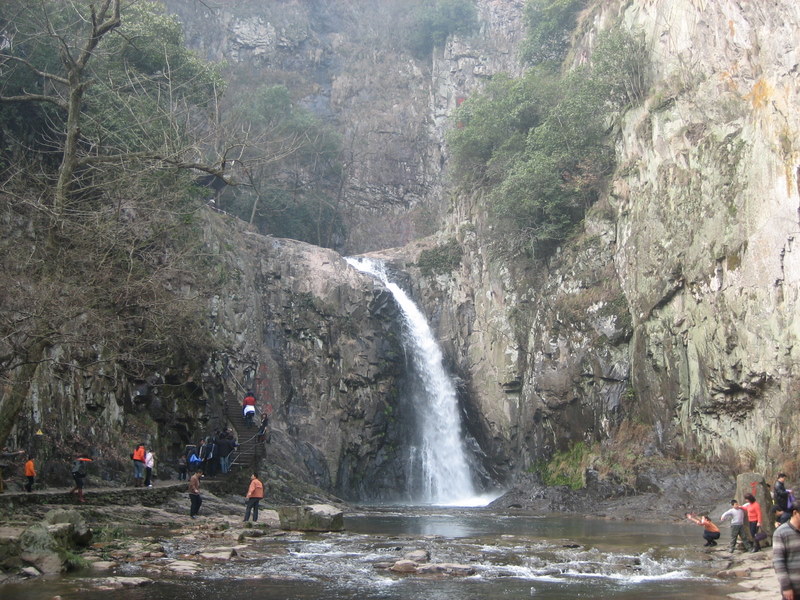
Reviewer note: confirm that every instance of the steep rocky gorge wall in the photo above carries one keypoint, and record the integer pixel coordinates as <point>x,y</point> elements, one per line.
<point>348,63</point>
<point>676,306</point>
<point>707,200</point>
<point>311,336</point>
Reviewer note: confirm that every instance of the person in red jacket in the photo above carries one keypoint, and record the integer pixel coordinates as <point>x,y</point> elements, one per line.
<point>254,495</point>
<point>753,509</point>
<point>249,408</point>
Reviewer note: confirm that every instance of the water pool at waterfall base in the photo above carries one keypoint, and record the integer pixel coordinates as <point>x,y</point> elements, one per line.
<point>510,555</point>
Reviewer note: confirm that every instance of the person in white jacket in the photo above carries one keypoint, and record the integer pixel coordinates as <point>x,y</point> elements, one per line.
<point>149,462</point>
<point>737,515</point>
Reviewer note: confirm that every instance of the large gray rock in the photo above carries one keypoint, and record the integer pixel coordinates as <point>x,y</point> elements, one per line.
<point>9,545</point>
<point>78,532</point>
<point>40,548</point>
<point>311,517</point>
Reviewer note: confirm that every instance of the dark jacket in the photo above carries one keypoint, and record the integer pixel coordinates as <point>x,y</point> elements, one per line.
<point>224,446</point>
<point>781,496</point>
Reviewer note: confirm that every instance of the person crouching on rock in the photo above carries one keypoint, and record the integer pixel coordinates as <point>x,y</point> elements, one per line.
<point>194,493</point>
<point>254,495</point>
<point>711,533</point>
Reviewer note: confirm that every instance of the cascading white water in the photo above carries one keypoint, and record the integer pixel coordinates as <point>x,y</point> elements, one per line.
<point>438,459</point>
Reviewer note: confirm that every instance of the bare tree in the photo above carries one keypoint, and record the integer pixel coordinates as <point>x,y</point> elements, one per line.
<point>170,133</point>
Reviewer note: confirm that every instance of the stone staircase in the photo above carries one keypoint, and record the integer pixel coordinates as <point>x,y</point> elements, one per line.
<point>249,450</point>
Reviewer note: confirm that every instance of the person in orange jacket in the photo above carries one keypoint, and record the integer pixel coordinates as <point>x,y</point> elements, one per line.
<point>138,457</point>
<point>711,531</point>
<point>254,495</point>
<point>30,474</point>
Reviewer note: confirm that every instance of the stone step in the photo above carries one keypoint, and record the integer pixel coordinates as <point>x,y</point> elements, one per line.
<point>244,455</point>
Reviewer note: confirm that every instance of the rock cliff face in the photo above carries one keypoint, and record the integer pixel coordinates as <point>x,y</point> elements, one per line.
<point>707,204</point>
<point>677,306</point>
<point>310,335</point>
<point>348,62</point>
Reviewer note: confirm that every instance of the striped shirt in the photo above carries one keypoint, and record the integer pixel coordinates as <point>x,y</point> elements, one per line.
<point>786,556</point>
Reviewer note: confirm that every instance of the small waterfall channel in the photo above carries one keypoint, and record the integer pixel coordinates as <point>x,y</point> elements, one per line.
<point>439,471</point>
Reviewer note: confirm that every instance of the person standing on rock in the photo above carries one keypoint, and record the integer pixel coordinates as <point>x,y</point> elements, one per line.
<point>224,449</point>
<point>753,509</point>
<point>737,515</point>
<point>194,493</point>
<point>263,430</point>
<point>254,495</point>
<point>786,556</point>
<point>711,533</point>
<point>138,465</point>
<point>203,455</point>
<point>30,474</point>
<point>182,467</point>
<point>149,463</point>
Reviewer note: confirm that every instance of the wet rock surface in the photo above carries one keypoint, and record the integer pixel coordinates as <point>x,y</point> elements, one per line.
<point>671,491</point>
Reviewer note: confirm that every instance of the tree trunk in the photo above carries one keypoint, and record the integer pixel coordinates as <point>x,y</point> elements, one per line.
<point>69,160</point>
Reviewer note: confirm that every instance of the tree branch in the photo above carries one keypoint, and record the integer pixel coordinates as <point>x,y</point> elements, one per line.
<point>36,71</point>
<point>35,98</point>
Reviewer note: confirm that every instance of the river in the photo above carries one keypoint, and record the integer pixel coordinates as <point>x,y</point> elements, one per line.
<point>515,556</point>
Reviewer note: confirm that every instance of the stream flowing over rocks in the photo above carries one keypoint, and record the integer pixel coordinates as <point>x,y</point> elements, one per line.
<point>385,552</point>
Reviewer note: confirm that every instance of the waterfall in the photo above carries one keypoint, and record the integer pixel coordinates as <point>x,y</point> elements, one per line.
<point>439,471</point>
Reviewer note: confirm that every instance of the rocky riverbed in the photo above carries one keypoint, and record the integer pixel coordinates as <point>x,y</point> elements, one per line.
<point>137,545</point>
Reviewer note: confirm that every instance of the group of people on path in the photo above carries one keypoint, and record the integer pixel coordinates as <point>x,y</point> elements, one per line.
<point>746,522</point>
<point>210,455</point>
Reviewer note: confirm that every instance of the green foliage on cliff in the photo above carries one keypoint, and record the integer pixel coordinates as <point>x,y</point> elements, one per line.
<point>549,24</point>
<point>433,22</point>
<point>132,92</point>
<point>541,146</point>
<point>567,467</point>
<point>441,259</point>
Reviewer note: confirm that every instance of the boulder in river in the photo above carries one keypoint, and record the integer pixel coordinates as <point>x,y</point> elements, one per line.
<point>418,556</point>
<point>311,517</point>
<point>446,569</point>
